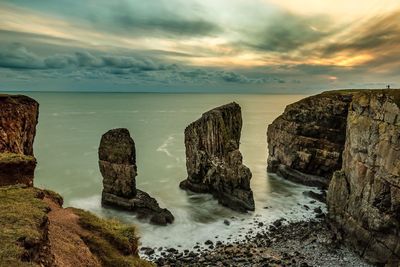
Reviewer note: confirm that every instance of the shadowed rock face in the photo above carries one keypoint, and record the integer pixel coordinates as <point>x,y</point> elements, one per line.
<point>117,162</point>
<point>364,197</point>
<point>213,160</point>
<point>18,119</point>
<point>305,143</point>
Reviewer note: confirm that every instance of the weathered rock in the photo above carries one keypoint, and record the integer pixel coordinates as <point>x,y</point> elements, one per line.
<point>213,160</point>
<point>18,119</point>
<point>364,197</point>
<point>117,162</point>
<point>305,143</point>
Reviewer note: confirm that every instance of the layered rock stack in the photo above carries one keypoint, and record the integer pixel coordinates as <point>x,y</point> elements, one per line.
<point>306,142</point>
<point>117,162</point>
<point>18,119</point>
<point>364,197</point>
<point>213,160</point>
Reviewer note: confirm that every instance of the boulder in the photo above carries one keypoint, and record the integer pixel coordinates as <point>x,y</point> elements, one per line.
<point>213,160</point>
<point>18,120</point>
<point>306,142</point>
<point>364,196</point>
<point>117,162</point>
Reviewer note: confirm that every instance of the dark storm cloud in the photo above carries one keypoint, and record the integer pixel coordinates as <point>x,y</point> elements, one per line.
<point>172,18</point>
<point>131,24</point>
<point>287,32</point>
<point>157,18</point>
<point>16,56</point>
<point>85,65</point>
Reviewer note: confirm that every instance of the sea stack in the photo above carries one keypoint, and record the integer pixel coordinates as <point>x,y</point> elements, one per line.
<point>213,160</point>
<point>18,119</point>
<point>117,162</point>
<point>306,142</point>
<point>364,196</point>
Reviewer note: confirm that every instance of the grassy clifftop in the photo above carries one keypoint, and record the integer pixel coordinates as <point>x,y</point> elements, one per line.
<point>33,226</point>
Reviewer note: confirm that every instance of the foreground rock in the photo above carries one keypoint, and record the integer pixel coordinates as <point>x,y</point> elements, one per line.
<point>213,160</point>
<point>306,142</point>
<point>18,119</point>
<point>308,243</point>
<point>364,197</point>
<point>117,161</point>
<point>48,235</point>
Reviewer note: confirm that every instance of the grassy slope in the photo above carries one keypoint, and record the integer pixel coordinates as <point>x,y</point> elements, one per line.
<point>12,157</point>
<point>23,216</point>
<point>114,243</point>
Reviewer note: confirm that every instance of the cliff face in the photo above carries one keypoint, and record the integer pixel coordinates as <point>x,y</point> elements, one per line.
<point>117,162</point>
<point>18,119</point>
<point>213,160</point>
<point>364,197</point>
<point>305,143</point>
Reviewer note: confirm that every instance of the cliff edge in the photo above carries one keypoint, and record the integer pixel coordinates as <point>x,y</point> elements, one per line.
<point>36,231</point>
<point>18,119</point>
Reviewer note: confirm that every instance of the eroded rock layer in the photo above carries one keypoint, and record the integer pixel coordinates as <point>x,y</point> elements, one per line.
<point>364,197</point>
<point>117,162</point>
<point>18,119</point>
<point>213,160</point>
<point>305,143</point>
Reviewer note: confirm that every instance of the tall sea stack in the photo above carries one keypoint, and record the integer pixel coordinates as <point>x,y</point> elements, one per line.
<point>213,160</point>
<point>117,162</point>
<point>18,119</point>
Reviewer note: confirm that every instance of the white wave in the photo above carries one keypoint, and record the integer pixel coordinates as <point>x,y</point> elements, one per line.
<point>164,147</point>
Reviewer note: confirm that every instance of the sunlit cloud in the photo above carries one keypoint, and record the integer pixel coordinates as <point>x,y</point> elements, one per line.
<point>247,42</point>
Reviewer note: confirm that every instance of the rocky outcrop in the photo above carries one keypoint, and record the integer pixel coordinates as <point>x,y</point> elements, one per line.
<point>364,197</point>
<point>213,160</point>
<point>18,119</point>
<point>117,162</point>
<point>305,143</point>
<point>36,231</point>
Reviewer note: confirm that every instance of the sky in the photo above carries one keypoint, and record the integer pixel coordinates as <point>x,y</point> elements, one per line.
<point>261,46</point>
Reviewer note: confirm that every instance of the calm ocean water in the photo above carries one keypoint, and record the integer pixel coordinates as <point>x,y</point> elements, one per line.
<point>68,135</point>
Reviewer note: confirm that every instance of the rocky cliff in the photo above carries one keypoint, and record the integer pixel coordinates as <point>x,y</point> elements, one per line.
<point>364,197</point>
<point>305,143</point>
<point>117,162</point>
<point>18,119</point>
<point>213,160</point>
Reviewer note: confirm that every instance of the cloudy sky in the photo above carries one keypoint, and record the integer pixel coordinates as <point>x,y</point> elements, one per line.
<point>285,46</point>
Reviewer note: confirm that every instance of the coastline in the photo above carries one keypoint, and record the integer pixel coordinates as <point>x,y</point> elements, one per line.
<point>303,243</point>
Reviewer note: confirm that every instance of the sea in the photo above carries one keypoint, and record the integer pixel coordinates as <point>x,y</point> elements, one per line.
<point>66,145</point>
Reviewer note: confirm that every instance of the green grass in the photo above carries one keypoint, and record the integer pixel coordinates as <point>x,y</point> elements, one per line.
<point>8,157</point>
<point>114,243</point>
<point>21,218</point>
